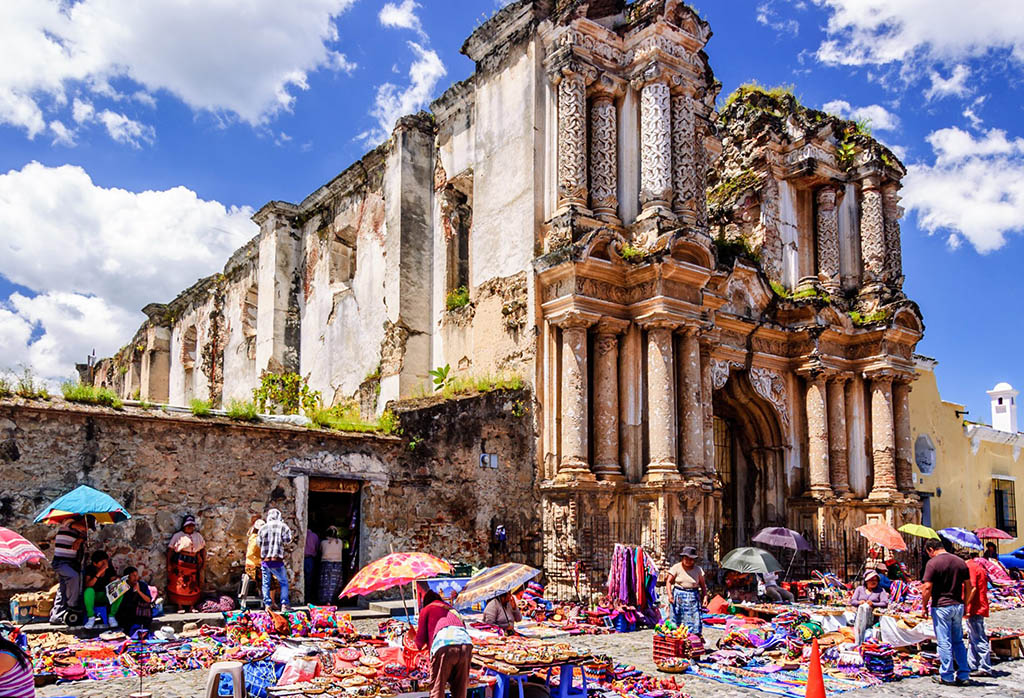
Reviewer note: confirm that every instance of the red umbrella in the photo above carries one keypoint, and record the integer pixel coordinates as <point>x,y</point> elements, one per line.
<point>16,550</point>
<point>992,533</point>
<point>882,534</point>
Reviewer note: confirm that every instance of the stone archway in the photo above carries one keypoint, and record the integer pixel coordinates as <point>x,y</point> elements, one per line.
<point>748,454</point>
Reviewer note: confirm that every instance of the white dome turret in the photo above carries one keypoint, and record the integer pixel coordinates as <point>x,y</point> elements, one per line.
<point>1004,407</point>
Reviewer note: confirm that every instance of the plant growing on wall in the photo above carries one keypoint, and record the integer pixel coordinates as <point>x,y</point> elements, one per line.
<point>30,387</point>
<point>242,411</point>
<point>440,376</point>
<point>90,395</point>
<point>457,298</point>
<point>631,254</point>
<point>287,392</point>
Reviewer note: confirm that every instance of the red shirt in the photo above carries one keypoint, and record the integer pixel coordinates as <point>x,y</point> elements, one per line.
<point>430,616</point>
<point>979,580</point>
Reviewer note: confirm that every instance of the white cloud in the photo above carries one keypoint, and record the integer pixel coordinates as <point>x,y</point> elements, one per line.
<point>971,112</point>
<point>392,102</point>
<point>240,59</point>
<point>95,256</point>
<point>767,16</point>
<point>863,32</point>
<point>974,190</point>
<point>62,135</point>
<point>82,111</point>
<point>125,130</point>
<point>953,86</point>
<point>879,118</point>
<point>402,16</point>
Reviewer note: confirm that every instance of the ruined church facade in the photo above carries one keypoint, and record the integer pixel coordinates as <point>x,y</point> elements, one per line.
<point>706,301</point>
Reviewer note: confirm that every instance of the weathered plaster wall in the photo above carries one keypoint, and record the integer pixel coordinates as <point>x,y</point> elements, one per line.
<point>433,496</point>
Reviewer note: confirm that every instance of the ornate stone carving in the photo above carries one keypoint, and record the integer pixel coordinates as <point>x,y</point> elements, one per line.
<point>770,385</point>
<point>700,174</point>
<point>828,239</point>
<point>720,372</point>
<point>811,150</point>
<point>661,412</point>
<point>838,456</point>
<point>684,161</point>
<point>893,249</point>
<point>603,159</point>
<point>872,231</point>
<point>655,145</point>
<point>771,240</point>
<point>572,81</point>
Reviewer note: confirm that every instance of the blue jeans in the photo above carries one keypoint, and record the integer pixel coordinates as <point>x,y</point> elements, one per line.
<point>949,636</point>
<point>277,570</point>
<point>980,651</point>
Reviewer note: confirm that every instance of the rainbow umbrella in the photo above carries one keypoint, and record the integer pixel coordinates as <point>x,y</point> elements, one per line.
<point>16,550</point>
<point>495,581</point>
<point>394,570</point>
<point>84,501</point>
<point>961,536</point>
<point>881,533</point>
<point>918,530</point>
<point>989,533</point>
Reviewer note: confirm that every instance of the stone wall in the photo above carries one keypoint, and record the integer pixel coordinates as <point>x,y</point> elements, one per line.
<point>424,490</point>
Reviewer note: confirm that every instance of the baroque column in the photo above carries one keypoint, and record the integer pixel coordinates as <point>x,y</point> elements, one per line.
<point>872,231</point>
<point>606,399</point>
<point>684,159</point>
<point>893,250</point>
<point>661,407</point>
<point>571,79</point>
<point>838,460</point>
<point>709,413</point>
<point>655,140</point>
<point>574,464</point>
<point>691,425</point>
<point>817,436</point>
<point>604,163</point>
<point>901,429</point>
<point>883,443</point>
<point>828,239</point>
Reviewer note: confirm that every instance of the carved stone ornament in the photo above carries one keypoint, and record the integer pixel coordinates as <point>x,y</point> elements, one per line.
<point>770,385</point>
<point>893,249</point>
<point>684,160</point>
<point>655,144</point>
<point>771,246</point>
<point>828,237</point>
<point>700,173</point>
<point>603,157</point>
<point>572,78</point>
<point>720,372</point>
<point>872,231</point>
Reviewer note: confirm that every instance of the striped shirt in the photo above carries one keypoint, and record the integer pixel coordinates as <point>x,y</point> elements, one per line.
<point>63,546</point>
<point>17,682</point>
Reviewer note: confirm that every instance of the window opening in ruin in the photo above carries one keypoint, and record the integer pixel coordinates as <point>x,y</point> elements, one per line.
<point>1006,505</point>
<point>189,353</point>
<point>724,466</point>
<point>335,502</point>
<point>342,261</point>
<point>457,219</point>
<point>250,313</point>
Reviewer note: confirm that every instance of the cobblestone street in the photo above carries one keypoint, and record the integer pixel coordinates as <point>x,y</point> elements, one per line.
<point>634,648</point>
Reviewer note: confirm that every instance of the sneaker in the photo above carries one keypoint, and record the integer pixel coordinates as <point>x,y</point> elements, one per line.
<point>113,622</point>
<point>90,623</point>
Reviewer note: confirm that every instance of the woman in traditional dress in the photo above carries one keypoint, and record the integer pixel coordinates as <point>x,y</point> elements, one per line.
<point>186,557</point>
<point>332,566</point>
<point>687,589</point>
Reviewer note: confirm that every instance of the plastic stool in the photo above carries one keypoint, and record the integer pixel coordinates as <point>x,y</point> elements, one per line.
<point>565,688</point>
<point>232,669</point>
<point>502,687</point>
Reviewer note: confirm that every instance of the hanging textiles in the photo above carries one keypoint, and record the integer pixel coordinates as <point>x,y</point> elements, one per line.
<point>633,581</point>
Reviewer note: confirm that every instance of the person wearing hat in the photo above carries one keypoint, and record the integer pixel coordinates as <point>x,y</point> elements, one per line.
<point>866,598</point>
<point>252,560</point>
<point>686,589</point>
<point>186,558</point>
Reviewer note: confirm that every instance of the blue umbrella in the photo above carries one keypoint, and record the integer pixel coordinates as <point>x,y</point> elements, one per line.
<point>86,501</point>
<point>961,536</point>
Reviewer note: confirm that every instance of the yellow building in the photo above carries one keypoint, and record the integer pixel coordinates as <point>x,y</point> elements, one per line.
<point>966,472</point>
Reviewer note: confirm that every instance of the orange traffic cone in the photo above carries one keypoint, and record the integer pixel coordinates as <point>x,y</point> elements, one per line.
<point>815,681</point>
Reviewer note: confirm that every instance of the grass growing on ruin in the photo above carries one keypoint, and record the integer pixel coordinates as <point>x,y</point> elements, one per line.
<point>863,319</point>
<point>90,395</point>
<point>29,387</point>
<point>631,254</point>
<point>6,387</point>
<point>201,408</point>
<point>345,417</point>
<point>242,411</point>
<point>457,298</point>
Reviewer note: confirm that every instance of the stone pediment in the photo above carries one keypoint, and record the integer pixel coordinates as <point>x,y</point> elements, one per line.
<point>745,292</point>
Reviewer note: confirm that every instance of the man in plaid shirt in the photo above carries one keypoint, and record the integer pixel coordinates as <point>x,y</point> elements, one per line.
<point>274,536</point>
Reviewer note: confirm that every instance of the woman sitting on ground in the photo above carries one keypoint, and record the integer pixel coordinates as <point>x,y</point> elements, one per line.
<point>98,574</point>
<point>866,598</point>
<point>16,680</point>
<point>503,612</point>
<point>136,610</point>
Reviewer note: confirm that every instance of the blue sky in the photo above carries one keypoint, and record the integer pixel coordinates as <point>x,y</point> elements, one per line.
<point>137,138</point>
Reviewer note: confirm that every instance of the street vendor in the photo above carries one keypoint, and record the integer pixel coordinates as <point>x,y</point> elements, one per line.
<point>136,608</point>
<point>68,555</point>
<point>503,612</point>
<point>186,558</point>
<point>332,566</point>
<point>866,598</point>
<point>274,537</point>
<point>98,574</point>
<point>774,591</point>
<point>687,589</point>
<point>442,629</point>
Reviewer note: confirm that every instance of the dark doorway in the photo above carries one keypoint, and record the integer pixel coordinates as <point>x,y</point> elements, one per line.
<point>335,502</point>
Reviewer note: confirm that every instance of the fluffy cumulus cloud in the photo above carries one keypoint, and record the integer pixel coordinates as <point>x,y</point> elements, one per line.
<point>877,116</point>
<point>401,16</point>
<point>393,101</point>
<point>861,32</point>
<point>241,59</point>
<point>91,257</point>
<point>974,189</point>
<point>953,86</point>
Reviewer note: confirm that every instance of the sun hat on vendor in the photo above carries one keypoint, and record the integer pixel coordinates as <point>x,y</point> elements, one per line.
<point>189,520</point>
<point>690,552</point>
<point>869,575</point>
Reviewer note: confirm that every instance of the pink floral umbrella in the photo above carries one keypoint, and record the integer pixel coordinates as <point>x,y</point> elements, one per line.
<point>16,550</point>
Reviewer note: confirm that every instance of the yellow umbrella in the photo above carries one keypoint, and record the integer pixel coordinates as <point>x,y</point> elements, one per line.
<point>918,530</point>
